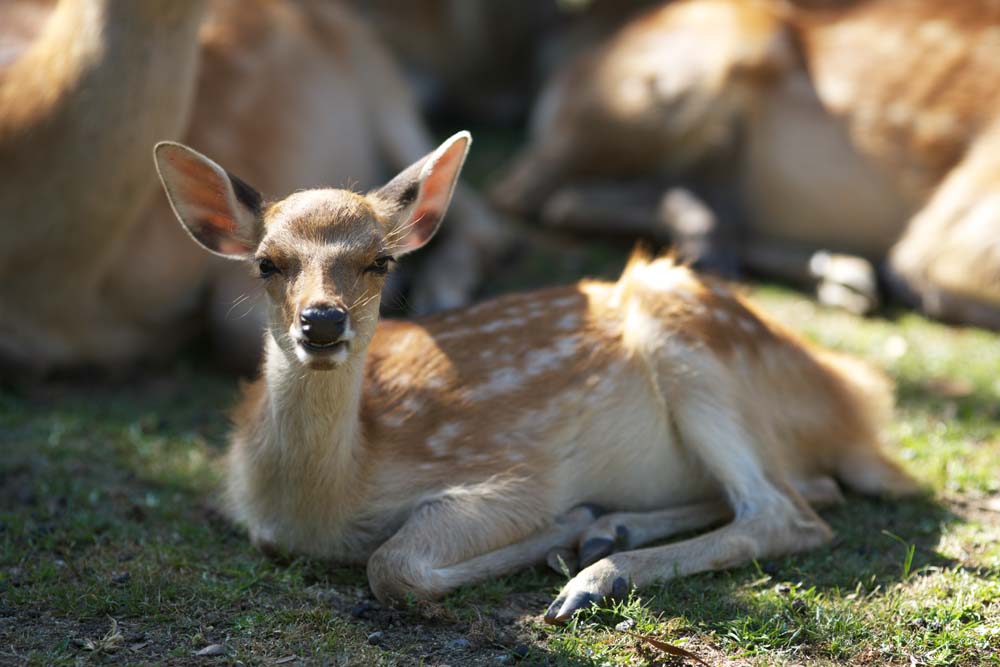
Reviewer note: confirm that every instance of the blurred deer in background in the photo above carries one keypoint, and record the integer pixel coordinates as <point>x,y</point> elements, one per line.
<point>289,93</point>
<point>485,59</point>
<point>466,445</point>
<point>864,127</point>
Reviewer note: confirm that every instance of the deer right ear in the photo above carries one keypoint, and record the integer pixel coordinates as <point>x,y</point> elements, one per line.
<point>221,212</point>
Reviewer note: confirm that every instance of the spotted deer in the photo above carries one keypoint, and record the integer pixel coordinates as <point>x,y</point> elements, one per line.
<point>465,445</point>
<point>859,127</point>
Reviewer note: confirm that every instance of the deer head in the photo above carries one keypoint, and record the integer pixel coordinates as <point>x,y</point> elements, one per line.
<point>322,255</point>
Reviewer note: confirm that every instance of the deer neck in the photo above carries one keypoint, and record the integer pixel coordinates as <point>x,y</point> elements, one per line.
<point>314,418</point>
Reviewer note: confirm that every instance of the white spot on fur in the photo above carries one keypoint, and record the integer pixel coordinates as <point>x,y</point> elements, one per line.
<point>439,440</point>
<point>501,381</point>
<point>564,301</point>
<point>534,312</point>
<point>456,333</point>
<point>404,343</point>
<point>393,420</point>
<point>504,323</point>
<point>721,315</point>
<point>411,404</point>
<point>568,321</point>
<point>514,457</point>
<point>551,358</point>
<point>435,382</point>
<point>747,325</point>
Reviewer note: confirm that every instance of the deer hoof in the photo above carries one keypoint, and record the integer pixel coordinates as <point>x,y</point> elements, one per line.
<point>594,549</point>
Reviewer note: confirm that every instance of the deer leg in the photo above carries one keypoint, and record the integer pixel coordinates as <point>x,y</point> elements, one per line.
<point>702,231</point>
<point>622,531</point>
<point>463,539</point>
<point>619,209</point>
<point>770,518</point>
<point>756,536</point>
<point>841,281</point>
<point>455,267</point>
<point>947,262</point>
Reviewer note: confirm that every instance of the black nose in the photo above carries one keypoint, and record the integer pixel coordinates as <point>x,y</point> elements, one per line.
<point>323,325</point>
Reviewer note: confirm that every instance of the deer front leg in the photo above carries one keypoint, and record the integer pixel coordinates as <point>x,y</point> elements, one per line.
<point>759,536</point>
<point>704,230</point>
<point>622,531</point>
<point>840,281</point>
<point>455,268</point>
<point>463,538</point>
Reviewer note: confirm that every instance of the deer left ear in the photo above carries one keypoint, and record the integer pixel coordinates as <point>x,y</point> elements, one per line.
<point>420,194</point>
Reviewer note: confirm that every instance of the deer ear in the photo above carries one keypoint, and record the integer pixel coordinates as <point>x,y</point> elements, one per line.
<point>221,212</point>
<point>420,194</point>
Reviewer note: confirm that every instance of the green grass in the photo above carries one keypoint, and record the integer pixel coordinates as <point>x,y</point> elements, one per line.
<point>111,551</point>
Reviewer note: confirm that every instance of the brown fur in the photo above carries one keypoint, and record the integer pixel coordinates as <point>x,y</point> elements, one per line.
<point>865,127</point>
<point>462,446</point>
<point>94,271</point>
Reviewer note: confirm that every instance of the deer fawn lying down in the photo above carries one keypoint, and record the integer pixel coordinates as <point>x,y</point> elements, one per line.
<point>469,444</point>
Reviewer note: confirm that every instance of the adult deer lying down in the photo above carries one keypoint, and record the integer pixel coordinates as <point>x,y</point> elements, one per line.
<point>291,93</point>
<point>866,127</point>
<point>465,445</point>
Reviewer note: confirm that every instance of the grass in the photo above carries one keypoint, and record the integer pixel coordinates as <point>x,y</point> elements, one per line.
<point>111,551</point>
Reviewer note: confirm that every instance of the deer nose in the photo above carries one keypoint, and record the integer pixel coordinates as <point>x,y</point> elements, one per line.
<point>322,325</point>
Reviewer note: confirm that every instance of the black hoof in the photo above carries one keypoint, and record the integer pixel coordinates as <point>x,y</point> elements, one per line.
<point>619,590</point>
<point>563,609</point>
<point>552,612</point>
<point>595,549</point>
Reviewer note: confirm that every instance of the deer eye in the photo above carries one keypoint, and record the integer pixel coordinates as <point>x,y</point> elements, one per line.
<point>267,267</point>
<point>380,266</point>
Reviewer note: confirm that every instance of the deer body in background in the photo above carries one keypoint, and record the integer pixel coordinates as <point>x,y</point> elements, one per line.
<point>95,270</point>
<point>78,108</point>
<point>466,445</point>
<point>865,127</point>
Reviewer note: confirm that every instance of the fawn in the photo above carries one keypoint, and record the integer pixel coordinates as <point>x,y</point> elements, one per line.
<point>469,444</point>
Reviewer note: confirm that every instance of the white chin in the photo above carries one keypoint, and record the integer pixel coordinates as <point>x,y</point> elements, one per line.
<point>323,359</point>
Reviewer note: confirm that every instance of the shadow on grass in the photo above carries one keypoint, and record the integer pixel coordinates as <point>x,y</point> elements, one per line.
<point>802,602</point>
